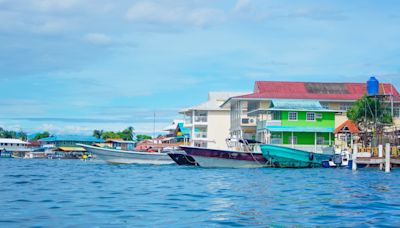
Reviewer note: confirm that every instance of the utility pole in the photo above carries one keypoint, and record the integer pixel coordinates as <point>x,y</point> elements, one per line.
<point>154,125</point>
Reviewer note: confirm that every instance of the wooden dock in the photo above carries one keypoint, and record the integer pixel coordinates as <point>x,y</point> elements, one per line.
<point>384,159</point>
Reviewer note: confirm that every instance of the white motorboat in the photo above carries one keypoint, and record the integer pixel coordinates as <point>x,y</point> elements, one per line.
<point>116,156</point>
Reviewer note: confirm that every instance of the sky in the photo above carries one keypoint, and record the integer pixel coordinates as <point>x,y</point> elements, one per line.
<point>71,66</point>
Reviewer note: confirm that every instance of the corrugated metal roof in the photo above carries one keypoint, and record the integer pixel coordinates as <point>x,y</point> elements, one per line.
<point>296,104</point>
<point>300,129</point>
<point>314,90</point>
<point>74,138</point>
<point>16,141</point>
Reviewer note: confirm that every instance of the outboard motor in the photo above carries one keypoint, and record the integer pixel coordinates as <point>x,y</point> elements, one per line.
<point>337,159</point>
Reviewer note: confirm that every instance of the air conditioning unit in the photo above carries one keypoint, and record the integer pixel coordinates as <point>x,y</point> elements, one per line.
<point>318,116</point>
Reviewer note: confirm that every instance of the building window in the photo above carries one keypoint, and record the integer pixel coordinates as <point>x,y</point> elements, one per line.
<point>293,140</point>
<point>320,140</point>
<point>293,116</point>
<point>325,106</point>
<point>310,116</point>
<point>345,106</point>
<point>276,115</point>
<point>396,112</point>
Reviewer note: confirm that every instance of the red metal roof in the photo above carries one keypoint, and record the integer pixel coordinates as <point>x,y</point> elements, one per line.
<point>314,90</point>
<point>351,126</point>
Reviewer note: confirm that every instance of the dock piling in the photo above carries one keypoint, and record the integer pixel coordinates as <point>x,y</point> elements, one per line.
<point>387,158</point>
<point>354,158</point>
<point>380,155</point>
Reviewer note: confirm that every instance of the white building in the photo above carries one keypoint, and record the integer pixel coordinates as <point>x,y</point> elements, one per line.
<point>13,145</point>
<point>209,124</point>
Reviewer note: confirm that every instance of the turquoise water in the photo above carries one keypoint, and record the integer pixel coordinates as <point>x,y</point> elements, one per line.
<point>65,193</point>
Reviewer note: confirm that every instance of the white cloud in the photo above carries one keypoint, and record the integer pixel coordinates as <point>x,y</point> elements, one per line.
<point>202,17</point>
<point>242,5</point>
<point>49,5</point>
<point>152,12</point>
<point>97,38</point>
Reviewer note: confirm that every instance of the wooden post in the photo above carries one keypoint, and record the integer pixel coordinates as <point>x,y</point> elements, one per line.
<point>387,158</point>
<point>355,151</point>
<point>380,155</point>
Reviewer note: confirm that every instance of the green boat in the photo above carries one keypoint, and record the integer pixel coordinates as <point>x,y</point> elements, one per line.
<point>284,157</point>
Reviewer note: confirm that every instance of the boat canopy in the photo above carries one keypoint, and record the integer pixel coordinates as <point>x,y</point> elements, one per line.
<point>299,129</point>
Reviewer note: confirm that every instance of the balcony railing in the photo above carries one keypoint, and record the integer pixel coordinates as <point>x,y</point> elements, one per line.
<point>200,119</point>
<point>264,123</point>
<point>200,135</point>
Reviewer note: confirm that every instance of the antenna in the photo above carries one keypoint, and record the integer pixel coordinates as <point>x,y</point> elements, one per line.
<point>154,125</point>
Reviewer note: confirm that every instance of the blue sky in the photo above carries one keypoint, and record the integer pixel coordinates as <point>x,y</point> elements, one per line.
<point>71,66</point>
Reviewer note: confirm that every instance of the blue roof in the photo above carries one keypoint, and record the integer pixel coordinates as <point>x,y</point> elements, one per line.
<point>284,104</point>
<point>75,138</point>
<point>185,130</point>
<point>300,129</point>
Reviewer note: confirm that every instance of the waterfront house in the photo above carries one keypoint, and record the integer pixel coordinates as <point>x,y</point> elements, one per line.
<point>208,123</point>
<point>332,96</point>
<point>300,124</point>
<point>14,146</point>
<point>121,144</point>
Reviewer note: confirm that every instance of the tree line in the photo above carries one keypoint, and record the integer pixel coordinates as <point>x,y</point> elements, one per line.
<point>13,134</point>
<point>126,134</point>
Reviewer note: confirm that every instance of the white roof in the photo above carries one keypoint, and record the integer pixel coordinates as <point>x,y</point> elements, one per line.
<point>16,141</point>
<point>215,100</point>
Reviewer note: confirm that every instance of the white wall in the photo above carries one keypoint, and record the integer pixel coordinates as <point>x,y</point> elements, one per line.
<point>218,128</point>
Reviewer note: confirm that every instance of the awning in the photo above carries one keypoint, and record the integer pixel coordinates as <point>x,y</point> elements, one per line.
<point>283,104</point>
<point>300,129</point>
<point>72,149</point>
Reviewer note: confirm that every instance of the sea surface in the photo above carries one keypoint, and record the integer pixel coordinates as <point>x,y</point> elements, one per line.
<point>74,193</point>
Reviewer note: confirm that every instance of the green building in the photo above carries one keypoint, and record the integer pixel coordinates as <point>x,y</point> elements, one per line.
<point>301,124</point>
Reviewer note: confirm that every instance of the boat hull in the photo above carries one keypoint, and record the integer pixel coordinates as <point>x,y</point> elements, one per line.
<point>128,157</point>
<point>181,158</point>
<point>284,157</point>
<point>214,158</point>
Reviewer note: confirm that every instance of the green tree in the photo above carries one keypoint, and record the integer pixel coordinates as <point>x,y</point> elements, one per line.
<point>22,135</point>
<point>110,135</point>
<point>98,133</point>
<point>8,134</point>
<point>142,137</point>
<point>127,134</point>
<point>41,135</point>
<point>367,111</point>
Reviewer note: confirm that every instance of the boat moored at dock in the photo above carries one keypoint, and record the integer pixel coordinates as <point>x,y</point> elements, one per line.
<point>117,156</point>
<point>285,157</point>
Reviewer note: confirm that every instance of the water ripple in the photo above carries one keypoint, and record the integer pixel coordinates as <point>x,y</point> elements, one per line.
<point>50,193</point>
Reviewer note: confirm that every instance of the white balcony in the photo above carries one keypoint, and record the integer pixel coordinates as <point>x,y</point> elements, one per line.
<point>198,120</point>
<point>200,135</point>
